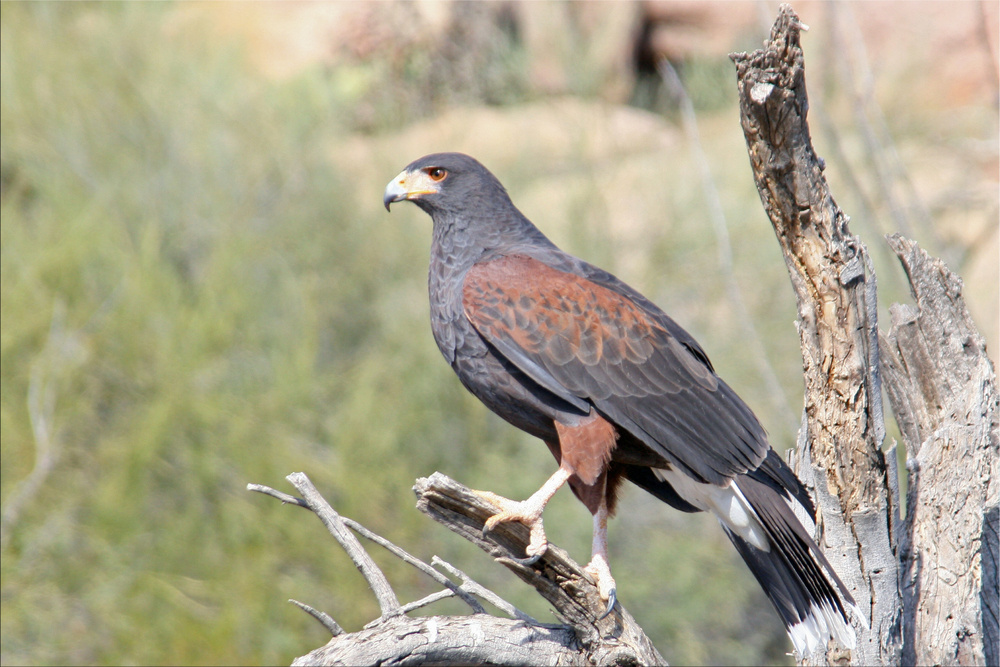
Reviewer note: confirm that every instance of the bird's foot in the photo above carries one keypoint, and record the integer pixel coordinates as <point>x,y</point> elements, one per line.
<point>600,572</point>
<point>526,512</point>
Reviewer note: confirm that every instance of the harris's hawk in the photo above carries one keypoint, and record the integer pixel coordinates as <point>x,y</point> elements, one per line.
<point>615,388</point>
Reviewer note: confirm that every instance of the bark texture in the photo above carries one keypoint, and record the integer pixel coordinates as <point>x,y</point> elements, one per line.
<point>942,388</point>
<point>478,639</point>
<point>614,640</point>
<point>840,455</point>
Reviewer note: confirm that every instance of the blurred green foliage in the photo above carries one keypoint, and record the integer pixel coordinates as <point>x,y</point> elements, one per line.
<point>203,303</point>
<point>195,296</point>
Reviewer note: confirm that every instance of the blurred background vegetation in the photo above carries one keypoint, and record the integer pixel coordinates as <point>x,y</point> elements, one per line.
<point>200,288</point>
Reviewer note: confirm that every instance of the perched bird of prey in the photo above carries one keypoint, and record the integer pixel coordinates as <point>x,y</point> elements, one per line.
<point>615,388</point>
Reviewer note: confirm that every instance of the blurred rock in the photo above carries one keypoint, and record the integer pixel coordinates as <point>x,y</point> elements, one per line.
<point>581,47</point>
<point>946,53</point>
<point>688,29</point>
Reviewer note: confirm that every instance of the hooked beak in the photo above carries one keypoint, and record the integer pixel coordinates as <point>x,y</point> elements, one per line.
<point>408,185</point>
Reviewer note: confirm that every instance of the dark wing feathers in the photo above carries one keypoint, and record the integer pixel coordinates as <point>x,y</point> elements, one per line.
<point>588,342</point>
<point>538,373</point>
<point>774,472</point>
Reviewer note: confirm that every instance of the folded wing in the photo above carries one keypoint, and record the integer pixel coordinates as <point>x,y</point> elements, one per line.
<point>589,344</point>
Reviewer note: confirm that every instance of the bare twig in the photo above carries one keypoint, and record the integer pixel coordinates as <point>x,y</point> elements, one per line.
<point>466,591</point>
<point>387,600</point>
<point>274,493</point>
<point>479,638</point>
<point>324,618</point>
<point>400,553</point>
<point>472,586</point>
<point>422,602</point>
<point>406,557</point>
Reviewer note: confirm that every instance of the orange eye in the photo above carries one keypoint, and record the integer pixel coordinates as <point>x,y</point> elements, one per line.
<point>437,174</point>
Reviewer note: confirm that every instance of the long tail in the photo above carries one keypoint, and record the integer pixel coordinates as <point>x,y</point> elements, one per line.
<point>810,598</point>
<point>755,511</point>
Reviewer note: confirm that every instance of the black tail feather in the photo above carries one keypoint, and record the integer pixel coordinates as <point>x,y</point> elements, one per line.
<point>808,595</point>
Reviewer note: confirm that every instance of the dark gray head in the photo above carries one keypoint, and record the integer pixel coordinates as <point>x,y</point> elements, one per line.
<point>469,205</point>
<point>448,183</point>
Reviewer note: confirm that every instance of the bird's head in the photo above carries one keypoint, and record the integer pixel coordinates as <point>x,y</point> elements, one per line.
<point>445,183</point>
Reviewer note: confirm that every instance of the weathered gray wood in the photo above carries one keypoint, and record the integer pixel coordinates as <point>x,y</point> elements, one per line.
<point>943,391</point>
<point>923,579</point>
<point>386,597</point>
<point>615,639</point>
<point>478,639</point>
<point>841,458</point>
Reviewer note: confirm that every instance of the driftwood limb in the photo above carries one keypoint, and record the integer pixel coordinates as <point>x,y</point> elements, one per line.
<point>943,391</point>
<point>324,618</point>
<point>464,592</point>
<point>274,493</point>
<point>449,640</point>
<point>454,589</point>
<point>616,639</point>
<point>840,454</point>
<point>478,638</point>
<point>481,591</point>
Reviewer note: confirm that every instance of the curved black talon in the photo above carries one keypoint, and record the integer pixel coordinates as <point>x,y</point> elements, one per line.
<point>612,599</point>
<point>486,531</point>
<point>530,560</point>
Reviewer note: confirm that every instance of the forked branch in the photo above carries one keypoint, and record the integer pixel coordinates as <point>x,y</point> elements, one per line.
<point>479,637</point>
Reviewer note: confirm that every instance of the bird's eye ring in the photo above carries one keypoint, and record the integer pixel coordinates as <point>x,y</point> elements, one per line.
<point>437,174</point>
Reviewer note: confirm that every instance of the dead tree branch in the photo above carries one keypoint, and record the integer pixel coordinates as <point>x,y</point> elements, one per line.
<point>616,639</point>
<point>386,597</point>
<point>478,638</point>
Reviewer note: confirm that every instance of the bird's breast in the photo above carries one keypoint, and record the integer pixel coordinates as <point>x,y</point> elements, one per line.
<point>494,381</point>
<point>449,325</point>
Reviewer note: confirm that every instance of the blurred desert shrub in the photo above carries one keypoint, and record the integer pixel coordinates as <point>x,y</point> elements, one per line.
<point>199,301</point>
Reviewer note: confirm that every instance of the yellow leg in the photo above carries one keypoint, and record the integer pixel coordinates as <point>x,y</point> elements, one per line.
<point>598,568</point>
<point>528,512</point>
